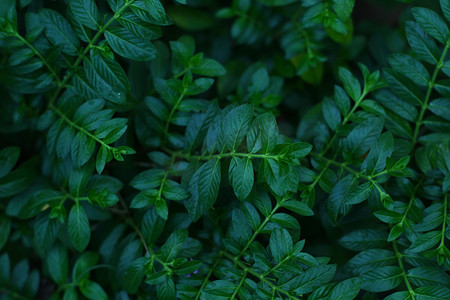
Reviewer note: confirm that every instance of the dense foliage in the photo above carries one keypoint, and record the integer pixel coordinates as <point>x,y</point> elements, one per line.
<point>174,149</point>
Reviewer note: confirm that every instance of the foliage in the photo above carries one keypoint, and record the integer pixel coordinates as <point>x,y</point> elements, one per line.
<point>266,149</point>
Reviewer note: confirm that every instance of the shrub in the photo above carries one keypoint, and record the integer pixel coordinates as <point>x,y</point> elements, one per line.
<point>175,150</point>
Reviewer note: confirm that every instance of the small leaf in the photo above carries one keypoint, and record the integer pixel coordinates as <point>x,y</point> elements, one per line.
<point>78,227</point>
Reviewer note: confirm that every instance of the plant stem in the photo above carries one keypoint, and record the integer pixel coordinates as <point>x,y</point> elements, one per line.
<point>255,234</point>
<point>41,57</point>
<point>257,275</point>
<point>405,277</point>
<point>431,84</point>
<point>188,156</point>
<point>170,117</point>
<point>80,58</point>
<point>211,270</point>
<point>79,128</point>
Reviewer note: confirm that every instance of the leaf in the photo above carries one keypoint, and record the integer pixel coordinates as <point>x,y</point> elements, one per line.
<point>343,8</point>
<point>173,245</point>
<point>128,45</point>
<point>336,204</point>
<point>331,113</point>
<point>445,6</point>
<point>8,159</point>
<point>411,67</point>
<point>298,207</point>
<point>58,264</point>
<point>204,188</point>
<point>138,27</point>
<point>440,107</point>
<point>363,239</point>
<point>363,136</point>
<point>311,279</point>
<point>431,23</point>
<point>347,289</point>
<point>351,84</point>
<point>78,227</point>
<point>5,224</point>
<point>241,176</point>
<point>280,244</point>
<point>421,43</point>
<point>59,31</point>
<point>425,241</point>
<point>92,290</point>
<point>375,162</point>
<point>382,279</point>
<point>86,12</point>
<point>209,67</point>
<point>108,78</point>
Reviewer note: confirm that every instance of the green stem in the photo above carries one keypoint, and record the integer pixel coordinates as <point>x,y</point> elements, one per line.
<point>255,234</point>
<point>257,275</point>
<point>188,156</point>
<point>83,54</point>
<point>431,84</point>
<point>79,128</point>
<point>205,281</point>
<point>239,285</point>
<point>405,277</point>
<point>41,57</point>
<point>346,119</point>
<point>344,166</point>
<point>170,117</point>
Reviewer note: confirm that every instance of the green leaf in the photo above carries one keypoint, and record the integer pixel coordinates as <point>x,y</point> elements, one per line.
<point>363,136</point>
<point>410,67</point>
<point>58,264</point>
<point>428,276</point>
<point>363,239</point>
<point>432,293</point>
<point>86,12</point>
<point>347,289</point>
<point>138,27</point>
<point>445,6</point>
<point>78,227</point>
<point>59,31</point>
<point>432,23</point>
<point>209,67</point>
<point>351,83</point>
<point>440,107</point>
<point>134,275</point>
<point>336,204</point>
<point>369,260</point>
<point>382,279</point>
<point>173,245</point>
<point>108,78</point>
<point>5,224</point>
<point>241,176</point>
<point>425,241</point>
<point>311,279</point>
<point>92,290</point>
<point>280,244</point>
<point>421,43</point>
<point>5,267</point>
<point>128,45</point>
<point>204,188</point>
<point>331,113</point>
<point>343,8</point>
<point>375,162</point>
<point>156,10</point>
<point>16,182</point>
<point>8,159</point>
<point>298,207</point>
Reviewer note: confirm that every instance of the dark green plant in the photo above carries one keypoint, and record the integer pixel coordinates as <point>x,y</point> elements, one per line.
<point>175,150</point>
